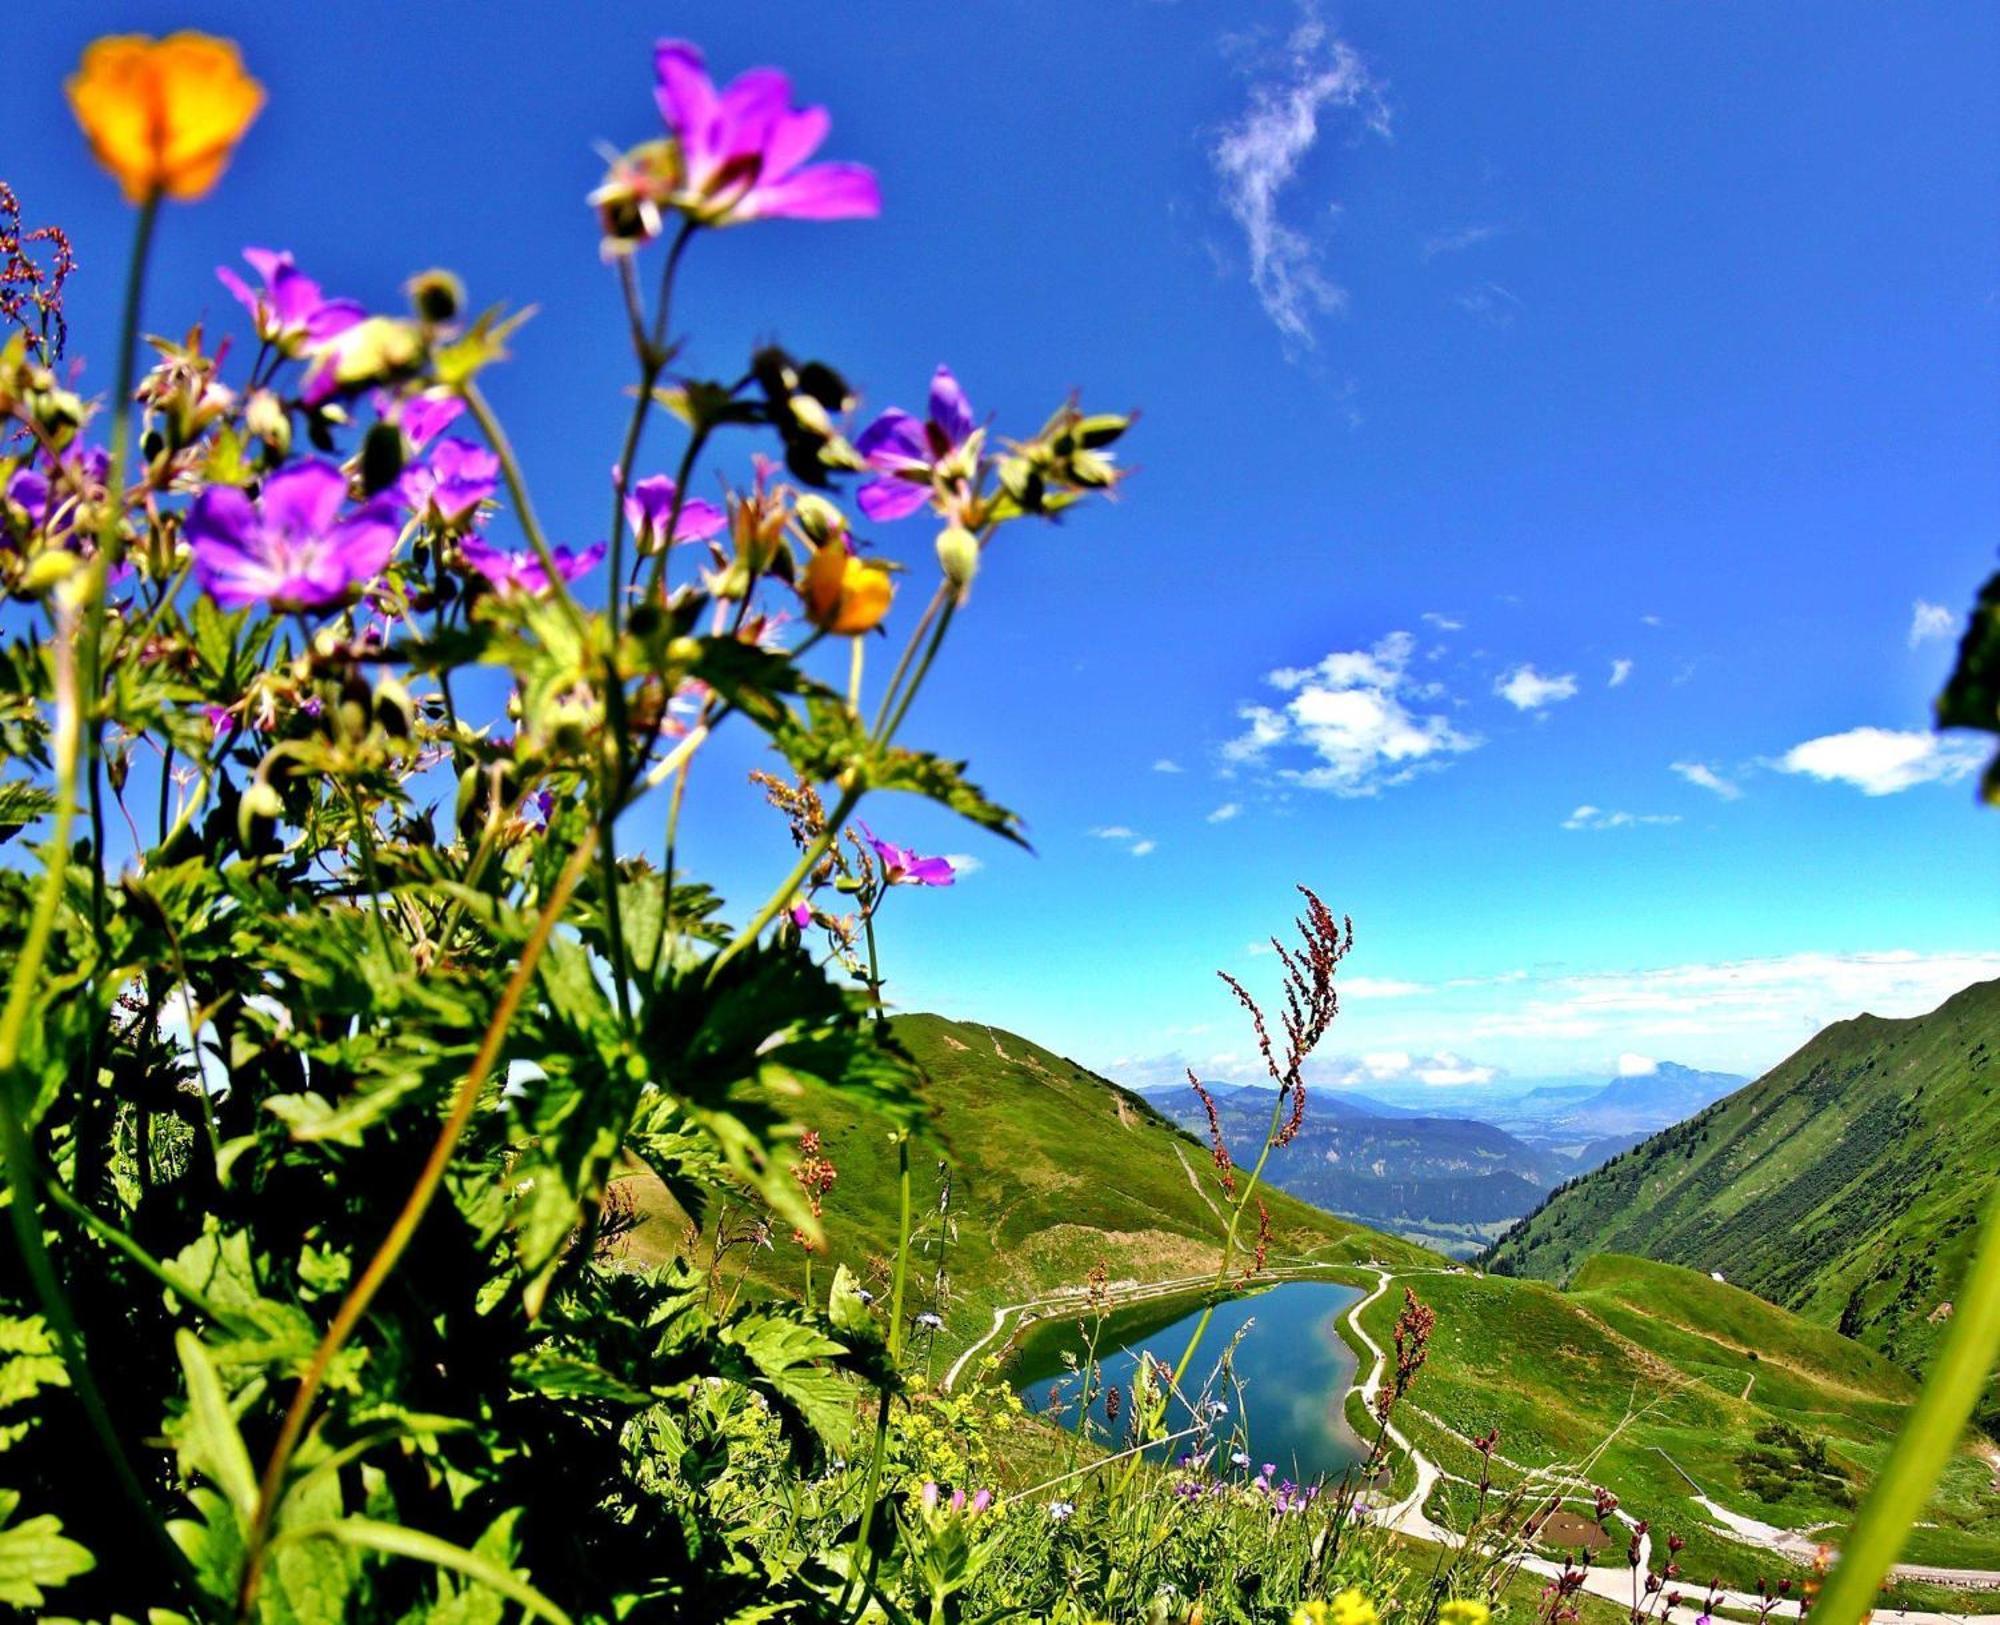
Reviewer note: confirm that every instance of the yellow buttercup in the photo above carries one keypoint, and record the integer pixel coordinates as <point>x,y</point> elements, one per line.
<point>163,116</point>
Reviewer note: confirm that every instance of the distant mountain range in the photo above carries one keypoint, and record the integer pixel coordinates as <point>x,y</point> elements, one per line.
<point>1846,1183</point>
<point>1452,1180</point>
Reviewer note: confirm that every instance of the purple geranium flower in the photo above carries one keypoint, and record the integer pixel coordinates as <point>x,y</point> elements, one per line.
<point>521,570</point>
<point>292,548</point>
<point>289,309</point>
<point>902,867</point>
<point>744,150</point>
<point>422,417</point>
<point>650,502</point>
<point>905,453</point>
<point>450,485</point>
<point>28,490</point>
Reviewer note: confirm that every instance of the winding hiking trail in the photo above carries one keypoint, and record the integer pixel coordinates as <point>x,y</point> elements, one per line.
<point>1407,1517</point>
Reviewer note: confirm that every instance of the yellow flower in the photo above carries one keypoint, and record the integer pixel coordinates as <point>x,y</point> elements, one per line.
<point>1310,1613</point>
<point>1464,1612</point>
<point>844,594</point>
<point>1351,1608</point>
<point>163,115</point>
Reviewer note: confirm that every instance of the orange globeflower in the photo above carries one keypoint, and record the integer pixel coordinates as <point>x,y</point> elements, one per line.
<point>845,594</point>
<point>164,115</point>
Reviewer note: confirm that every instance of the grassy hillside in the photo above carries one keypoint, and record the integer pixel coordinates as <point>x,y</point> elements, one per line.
<point>1053,1170</point>
<point>1670,1380</point>
<point>1846,1183</point>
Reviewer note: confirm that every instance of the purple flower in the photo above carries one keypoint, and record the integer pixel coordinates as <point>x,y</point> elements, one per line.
<point>422,417</point>
<point>292,548</point>
<point>743,151</point>
<point>28,490</point>
<point>902,867</point>
<point>289,307</point>
<point>802,914</point>
<point>905,453</point>
<point>447,488</point>
<point>649,504</point>
<point>521,570</point>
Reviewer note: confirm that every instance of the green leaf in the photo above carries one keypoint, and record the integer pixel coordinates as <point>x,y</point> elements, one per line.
<point>848,1311</point>
<point>945,783</point>
<point>20,805</point>
<point>213,1445</point>
<point>34,1554</point>
<point>368,1534</point>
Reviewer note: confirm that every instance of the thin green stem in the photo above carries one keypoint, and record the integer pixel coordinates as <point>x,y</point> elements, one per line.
<point>808,861</point>
<point>524,508</point>
<point>871,1487</point>
<point>117,1238</point>
<point>403,1231</point>
<point>884,735</point>
<point>909,653</point>
<point>1930,1435</point>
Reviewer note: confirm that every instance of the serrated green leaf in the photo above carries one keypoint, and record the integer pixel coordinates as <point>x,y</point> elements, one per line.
<point>213,1444</point>
<point>394,1540</point>
<point>35,1554</point>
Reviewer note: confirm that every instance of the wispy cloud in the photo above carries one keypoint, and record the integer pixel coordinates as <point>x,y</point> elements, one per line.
<point>1166,764</point>
<point>1526,689</point>
<point>1882,761</point>
<point>1123,835</point>
<point>1227,811</point>
<point>1700,773</point>
<point>1620,670</point>
<point>1442,623</point>
<point>1490,303</point>
<point>1928,621</point>
<point>1257,157</point>
<point>1381,987</point>
<point>1589,817</point>
<point>1349,724</point>
<point>1457,239</point>
<point>1784,996</point>
<point>964,863</point>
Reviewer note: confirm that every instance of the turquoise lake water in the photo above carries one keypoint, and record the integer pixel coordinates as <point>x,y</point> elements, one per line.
<point>1291,1367</point>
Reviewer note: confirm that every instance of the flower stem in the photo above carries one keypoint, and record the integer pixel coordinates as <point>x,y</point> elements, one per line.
<point>415,1206</point>
<point>1931,1433</point>
<point>517,488</point>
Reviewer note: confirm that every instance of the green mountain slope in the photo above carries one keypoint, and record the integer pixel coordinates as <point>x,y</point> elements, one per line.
<point>1053,1170</point>
<point>1670,1386</point>
<point>1846,1183</point>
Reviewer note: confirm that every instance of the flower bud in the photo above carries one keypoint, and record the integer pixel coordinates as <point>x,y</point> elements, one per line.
<point>264,415</point>
<point>958,556</point>
<point>436,296</point>
<point>381,457</point>
<point>820,519</point>
<point>50,567</point>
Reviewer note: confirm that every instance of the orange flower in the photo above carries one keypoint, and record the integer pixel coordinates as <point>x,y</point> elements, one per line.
<point>164,115</point>
<point>845,594</point>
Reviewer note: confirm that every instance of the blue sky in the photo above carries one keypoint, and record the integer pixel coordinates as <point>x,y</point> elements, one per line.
<point>1485,355</point>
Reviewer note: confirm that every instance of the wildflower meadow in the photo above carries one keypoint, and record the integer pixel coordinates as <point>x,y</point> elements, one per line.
<point>343,1011</point>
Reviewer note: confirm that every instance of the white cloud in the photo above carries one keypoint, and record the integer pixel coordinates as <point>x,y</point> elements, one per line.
<point>1882,761</point>
<point>1166,764</point>
<point>1258,155</point>
<point>1651,620</point>
<point>1446,1067</point>
<point>1751,1001</point>
<point>1457,239</point>
<point>1636,1066</point>
<point>1700,773</point>
<point>1443,623</point>
<point>1400,1066</point>
<point>1490,303</point>
<point>1589,817</point>
<point>1526,689</point>
<point>1928,621</point>
<point>1349,719</point>
<point>1380,987</point>
<point>1620,670</point>
<point>964,863</point>
<point>1227,811</point>
<point>1124,835</point>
